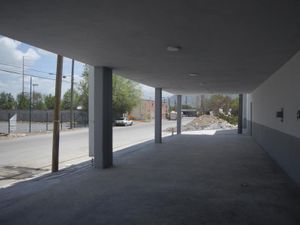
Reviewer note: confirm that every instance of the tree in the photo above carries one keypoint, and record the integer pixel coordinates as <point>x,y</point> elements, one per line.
<point>205,105</point>
<point>126,94</point>
<point>234,105</point>
<point>7,101</point>
<point>186,107</point>
<point>49,101</point>
<point>66,102</point>
<point>38,101</point>
<point>218,101</point>
<point>22,101</point>
<point>83,99</point>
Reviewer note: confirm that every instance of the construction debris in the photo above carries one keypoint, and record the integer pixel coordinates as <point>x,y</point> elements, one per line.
<point>206,122</point>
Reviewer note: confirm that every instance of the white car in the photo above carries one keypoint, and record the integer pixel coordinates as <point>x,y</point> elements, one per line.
<point>123,121</point>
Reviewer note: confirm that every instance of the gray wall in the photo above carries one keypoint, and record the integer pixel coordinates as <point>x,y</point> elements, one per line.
<point>41,115</point>
<point>280,139</point>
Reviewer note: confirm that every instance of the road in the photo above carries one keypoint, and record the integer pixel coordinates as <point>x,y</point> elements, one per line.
<point>35,151</point>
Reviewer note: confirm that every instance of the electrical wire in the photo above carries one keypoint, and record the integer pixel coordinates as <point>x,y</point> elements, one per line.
<point>31,75</point>
<point>5,64</point>
<point>36,70</point>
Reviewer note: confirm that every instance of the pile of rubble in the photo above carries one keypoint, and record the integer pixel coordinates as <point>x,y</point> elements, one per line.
<point>206,122</point>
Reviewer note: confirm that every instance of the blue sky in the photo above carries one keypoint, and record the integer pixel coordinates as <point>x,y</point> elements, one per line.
<point>40,63</point>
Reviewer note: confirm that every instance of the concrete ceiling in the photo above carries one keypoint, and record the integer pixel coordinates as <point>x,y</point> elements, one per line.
<point>233,46</point>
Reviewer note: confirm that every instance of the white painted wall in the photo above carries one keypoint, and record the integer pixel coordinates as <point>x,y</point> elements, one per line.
<point>282,89</point>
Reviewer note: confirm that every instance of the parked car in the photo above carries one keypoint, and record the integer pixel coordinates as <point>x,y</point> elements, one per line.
<point>123,121</point>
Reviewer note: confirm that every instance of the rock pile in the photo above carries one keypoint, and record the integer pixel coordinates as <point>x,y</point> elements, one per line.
<point>206,122</point>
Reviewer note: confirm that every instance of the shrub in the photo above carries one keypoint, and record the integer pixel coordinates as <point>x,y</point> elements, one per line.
<point>230,119</point>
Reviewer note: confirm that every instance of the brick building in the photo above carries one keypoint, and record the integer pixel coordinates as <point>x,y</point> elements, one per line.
<point>145,110</point>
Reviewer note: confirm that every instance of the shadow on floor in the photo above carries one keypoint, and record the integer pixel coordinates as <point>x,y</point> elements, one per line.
<point>189,179</point>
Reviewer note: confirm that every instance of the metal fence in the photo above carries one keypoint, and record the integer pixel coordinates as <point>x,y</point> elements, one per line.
<point>39,120</point>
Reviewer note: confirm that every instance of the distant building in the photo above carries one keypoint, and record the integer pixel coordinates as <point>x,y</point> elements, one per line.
<point>145,110</point>
<point>195,101</point>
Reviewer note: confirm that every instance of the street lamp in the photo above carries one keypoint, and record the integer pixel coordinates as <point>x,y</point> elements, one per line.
<point>30,102</point>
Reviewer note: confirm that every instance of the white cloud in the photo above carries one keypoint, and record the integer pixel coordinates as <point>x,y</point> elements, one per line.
<point>10,54</point>
<point>44,52</point>
<point>31,56</point>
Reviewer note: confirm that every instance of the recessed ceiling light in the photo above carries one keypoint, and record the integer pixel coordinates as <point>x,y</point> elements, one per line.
<point>173,48</point>
<point>193,74</point>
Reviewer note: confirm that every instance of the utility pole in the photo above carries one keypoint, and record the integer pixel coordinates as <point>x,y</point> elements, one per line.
<point>56,119</point>
<point>30,104</point>
<point>23,76</point>
<point>72,95</point>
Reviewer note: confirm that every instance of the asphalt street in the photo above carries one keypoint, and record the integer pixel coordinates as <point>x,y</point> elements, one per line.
<point>34,151</point>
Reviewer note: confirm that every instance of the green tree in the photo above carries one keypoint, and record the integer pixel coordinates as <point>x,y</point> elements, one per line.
<point>22,101</point>
<point>49,101</point>
<point>7,101</point>
<point>172,108</point>
<point>187,107</point>
<point>83,99</point>
<point>234,105</point>
<point>126,94</point>
<point>218,101</point>
<point>38,101</point>
<point>66,102</point>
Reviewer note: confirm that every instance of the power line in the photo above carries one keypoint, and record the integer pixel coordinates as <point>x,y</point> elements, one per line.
<point>31,75</point>
<point>49,73</point>
<point>28,68</point>
<point>36,70</point>
<point>5,64</point>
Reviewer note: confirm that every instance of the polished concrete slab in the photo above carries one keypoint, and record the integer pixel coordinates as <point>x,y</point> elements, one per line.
<point>189,179</point>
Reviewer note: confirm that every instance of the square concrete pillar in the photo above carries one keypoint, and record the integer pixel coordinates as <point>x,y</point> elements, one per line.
<point>178,109</point>
<point>240,116</point>
<point>100,116</point>
<point>158,110</point>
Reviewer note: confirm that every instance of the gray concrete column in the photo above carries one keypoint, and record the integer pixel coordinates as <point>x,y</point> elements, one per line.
<point>178,114</point>
<point>158,105</point>
<point>240,116</point>
<point>100,116</point>
<point>250,128</point>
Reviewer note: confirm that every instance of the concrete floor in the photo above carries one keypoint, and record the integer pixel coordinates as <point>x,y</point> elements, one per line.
<point>25,157</point>
<point>189,179</point>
